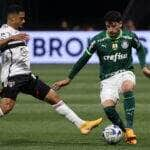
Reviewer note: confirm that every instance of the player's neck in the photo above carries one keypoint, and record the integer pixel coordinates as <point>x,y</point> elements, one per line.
<point>115,36</point>
<point>9,23</point>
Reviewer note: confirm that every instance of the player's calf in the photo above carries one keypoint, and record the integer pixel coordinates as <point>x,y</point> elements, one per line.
<point>52,97</point>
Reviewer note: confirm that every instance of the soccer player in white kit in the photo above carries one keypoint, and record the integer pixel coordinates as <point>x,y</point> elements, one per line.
<point>16,75</point>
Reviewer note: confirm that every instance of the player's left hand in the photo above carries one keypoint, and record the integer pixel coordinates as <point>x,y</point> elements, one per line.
<point>146,72</point>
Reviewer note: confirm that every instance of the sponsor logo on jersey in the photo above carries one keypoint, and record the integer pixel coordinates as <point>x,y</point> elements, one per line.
<point>115,57</point>
<point>125,44</point>
<point>114,46</point>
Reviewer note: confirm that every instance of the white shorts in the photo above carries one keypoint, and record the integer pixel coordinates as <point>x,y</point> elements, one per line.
<point>111,87</point>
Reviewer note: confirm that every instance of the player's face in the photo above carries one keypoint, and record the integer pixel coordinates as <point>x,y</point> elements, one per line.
<point>19,19</point>
<point>113,28</point>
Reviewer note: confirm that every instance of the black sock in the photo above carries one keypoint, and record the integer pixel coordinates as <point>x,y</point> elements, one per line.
<point>113,116</point>
<point>129,106</point>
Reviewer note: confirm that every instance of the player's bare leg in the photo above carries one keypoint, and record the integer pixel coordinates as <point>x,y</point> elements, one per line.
<point>61,108</point>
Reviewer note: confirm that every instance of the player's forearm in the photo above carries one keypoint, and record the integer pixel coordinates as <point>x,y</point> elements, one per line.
<point>141,56</point>
<point>78,66</point>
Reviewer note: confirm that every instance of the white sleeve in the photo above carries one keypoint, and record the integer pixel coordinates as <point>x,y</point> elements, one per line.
<point>3,35</point>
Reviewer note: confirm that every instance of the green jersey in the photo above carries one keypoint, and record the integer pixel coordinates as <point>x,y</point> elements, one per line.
<point>115,54</point>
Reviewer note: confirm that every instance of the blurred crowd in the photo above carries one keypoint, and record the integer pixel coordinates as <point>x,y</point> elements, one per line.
<point>65,26</point>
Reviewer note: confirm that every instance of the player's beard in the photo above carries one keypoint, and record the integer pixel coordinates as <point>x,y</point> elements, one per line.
<point>114,34</point>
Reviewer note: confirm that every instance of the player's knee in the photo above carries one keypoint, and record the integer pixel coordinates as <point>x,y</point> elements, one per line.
<point>107,103</point>
<point>127,86</point>
<point>7,105</point>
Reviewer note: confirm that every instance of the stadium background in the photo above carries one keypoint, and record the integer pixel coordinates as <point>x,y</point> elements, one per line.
<point>49,15</point>
<point>33,124</point>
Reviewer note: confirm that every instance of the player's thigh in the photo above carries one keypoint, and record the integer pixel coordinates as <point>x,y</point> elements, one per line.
<point>36,87</point>
<point>43,92</point>
<point>40,90</point>
<point>109,91</point>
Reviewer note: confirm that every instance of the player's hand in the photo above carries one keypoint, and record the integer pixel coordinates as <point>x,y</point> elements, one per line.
<point>20,37</point>
<point>57,85</point>
<point>146,72</point>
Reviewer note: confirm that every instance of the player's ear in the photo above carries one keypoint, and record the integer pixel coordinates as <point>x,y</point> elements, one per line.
<point>120,24</point>
<point>11,17</point>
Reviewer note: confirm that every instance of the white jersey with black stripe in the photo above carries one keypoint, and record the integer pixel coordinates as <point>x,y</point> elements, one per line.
<point>15,61</point>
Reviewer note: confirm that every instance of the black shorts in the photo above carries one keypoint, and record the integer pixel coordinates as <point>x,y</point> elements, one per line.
<point>28,84</point>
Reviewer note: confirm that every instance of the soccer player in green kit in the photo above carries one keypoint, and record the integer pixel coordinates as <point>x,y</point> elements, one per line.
<point>114,50</point>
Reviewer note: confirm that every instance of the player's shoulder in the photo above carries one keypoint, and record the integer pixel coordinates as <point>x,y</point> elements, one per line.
<point>128,34</point>
<point>7,28</point>
<point>7,31</point>
<point>4,32</point>
<point>4,27</point>
<point>99,36</point>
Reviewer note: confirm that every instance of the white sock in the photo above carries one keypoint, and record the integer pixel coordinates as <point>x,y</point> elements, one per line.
<point>63,109</point>
<point>1,113</point>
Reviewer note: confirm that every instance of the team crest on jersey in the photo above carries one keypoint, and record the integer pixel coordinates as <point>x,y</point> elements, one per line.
<point>114,46</point>
<point>125,44</point>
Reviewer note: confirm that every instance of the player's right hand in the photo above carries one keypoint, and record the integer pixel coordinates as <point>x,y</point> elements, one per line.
<point>146,72</point>
<point>20,37</point>
<point>57,85</point>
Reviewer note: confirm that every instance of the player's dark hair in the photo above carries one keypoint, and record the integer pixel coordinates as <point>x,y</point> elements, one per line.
<point>113,16</point>
<point>12,9</point>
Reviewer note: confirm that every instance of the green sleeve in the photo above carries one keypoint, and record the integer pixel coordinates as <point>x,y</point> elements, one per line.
<point>140,50</point>
<point>83,60</point>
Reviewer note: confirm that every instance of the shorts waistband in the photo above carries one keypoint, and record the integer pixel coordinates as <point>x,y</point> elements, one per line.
<point>114,73</point>
<point>20,75</point>
<point>15,76</point>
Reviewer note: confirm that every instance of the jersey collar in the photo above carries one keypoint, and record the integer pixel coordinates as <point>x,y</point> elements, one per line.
<point>119,36</point>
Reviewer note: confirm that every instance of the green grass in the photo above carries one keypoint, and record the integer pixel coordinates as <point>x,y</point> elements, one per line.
<point>34,125</point>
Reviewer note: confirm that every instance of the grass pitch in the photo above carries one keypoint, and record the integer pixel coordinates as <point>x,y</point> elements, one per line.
<point>34,125</point>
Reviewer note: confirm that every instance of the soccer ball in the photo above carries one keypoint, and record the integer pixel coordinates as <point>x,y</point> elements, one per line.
<point>112,134</point>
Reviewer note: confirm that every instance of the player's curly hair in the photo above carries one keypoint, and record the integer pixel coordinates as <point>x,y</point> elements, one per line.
<point>113,16</point>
